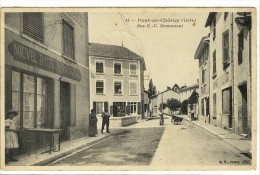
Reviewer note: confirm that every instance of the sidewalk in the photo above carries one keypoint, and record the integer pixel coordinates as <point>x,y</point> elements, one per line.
<point>43,157</point>
<point>237,141</point>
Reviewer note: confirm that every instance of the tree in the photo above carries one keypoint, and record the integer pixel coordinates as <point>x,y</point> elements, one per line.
<point>193,97</point>
<point>184,106</point>
<point>151,89</point>
<point>169,88</point>
<point>173,104</point>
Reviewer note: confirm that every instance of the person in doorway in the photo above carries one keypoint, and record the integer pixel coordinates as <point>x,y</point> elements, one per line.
<point>92,131</point>
<point>11,138</point>
<point>105,121</point>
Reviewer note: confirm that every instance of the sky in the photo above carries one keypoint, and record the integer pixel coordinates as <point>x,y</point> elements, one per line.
<point>168,51</point>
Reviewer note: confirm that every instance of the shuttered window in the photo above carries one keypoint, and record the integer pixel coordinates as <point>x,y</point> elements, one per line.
<point>214,63</point>
<point>99,67</point>
<point>67,40</point>
<point>225,46</point>
<point>240,46</point>
<point>202,107</point>
<point>99,87</point>
<point>33,26</point>
<point>214,28</point>
<point>203,76</point>
<point>214,104</point>
<point>133,88</point>
<point>133,68</point>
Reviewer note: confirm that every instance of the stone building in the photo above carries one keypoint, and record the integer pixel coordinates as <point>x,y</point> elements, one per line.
<point>228,68</point>
<point>46,72</point>
<point>117,80</point>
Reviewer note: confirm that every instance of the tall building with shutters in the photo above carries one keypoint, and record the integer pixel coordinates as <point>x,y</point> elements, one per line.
<point>228,71</point>
<point>117,81</point>
<point>46,72</point>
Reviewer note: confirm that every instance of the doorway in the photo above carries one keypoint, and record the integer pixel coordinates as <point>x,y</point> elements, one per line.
<point>243,108</point>
<point>65,109</point>
<point>227,105</point>
<point>119,109</point>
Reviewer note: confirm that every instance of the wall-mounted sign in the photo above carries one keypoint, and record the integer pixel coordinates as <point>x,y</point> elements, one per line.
<point>222,80</point>
<point>32,57</point>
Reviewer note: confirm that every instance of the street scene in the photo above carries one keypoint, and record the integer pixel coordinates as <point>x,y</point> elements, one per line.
<point>139,147</point>
<point>159,90</point>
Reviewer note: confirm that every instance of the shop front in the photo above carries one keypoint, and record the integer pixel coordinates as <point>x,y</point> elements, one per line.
<point>41,88</point>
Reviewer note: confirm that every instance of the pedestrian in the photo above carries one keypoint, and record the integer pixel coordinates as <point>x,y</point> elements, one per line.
<point>192,115</point>
<point>105,121</point>
<point>11,138</point>
<point>161,116</point>
<point>92,130</point>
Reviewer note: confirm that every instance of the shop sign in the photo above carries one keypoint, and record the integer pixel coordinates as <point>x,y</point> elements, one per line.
<point>220,81</point>
<point>32,57</point>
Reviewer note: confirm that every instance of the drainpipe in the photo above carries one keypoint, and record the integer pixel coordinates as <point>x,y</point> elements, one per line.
<point>232,69</point>
<point>250,83</point>
<point>209,81</point>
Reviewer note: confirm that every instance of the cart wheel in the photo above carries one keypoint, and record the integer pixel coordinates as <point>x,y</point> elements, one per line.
<point>138,117</point>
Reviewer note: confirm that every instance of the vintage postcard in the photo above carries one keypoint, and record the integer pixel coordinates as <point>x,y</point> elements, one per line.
<point>128,89</point>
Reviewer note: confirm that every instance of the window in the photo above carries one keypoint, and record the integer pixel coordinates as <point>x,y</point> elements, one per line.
<point>99,67</point>
<point>33,26</point>
<point>225,16</point>
<point>203,75</point>
<point>214,104</point>
<point>202,107</point>
<point>118,87</point>
<point>214,28</point>
<point>133,107</point>
<point>226,101</point>
<point>133,88</point>
<point>100,87</point>
<point>67,40</point>
<point>118,68</point>
<point>203,57</point>
<point>240,46</point>
<point>214,64</point>
<point>133,69</point>
<point>225,46</point>
<point>34,92</point>
<point>16,83</point>
<point>99,107</point>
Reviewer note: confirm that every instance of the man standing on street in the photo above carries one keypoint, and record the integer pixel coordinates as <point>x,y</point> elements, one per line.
<point>105,121</point>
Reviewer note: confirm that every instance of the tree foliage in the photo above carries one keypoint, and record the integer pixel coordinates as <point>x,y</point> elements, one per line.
<point>151,89</point>
<point>194,97</point>
<point>184,106</point>
<point>173,104</point>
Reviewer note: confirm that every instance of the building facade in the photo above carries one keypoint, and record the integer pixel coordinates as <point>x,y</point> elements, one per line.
<point>230,71</point>
<point>117,81</point>
<point>190,93</point>
<point>202,54</point>
<point>162,97</point>
<point>46,71</point>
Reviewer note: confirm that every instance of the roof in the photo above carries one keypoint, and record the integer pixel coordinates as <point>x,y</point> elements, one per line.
<point>113,51</point>
<point>194,86</point>
<point>202,45</point>
<point>163,92</point>
<point>210,18</point>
